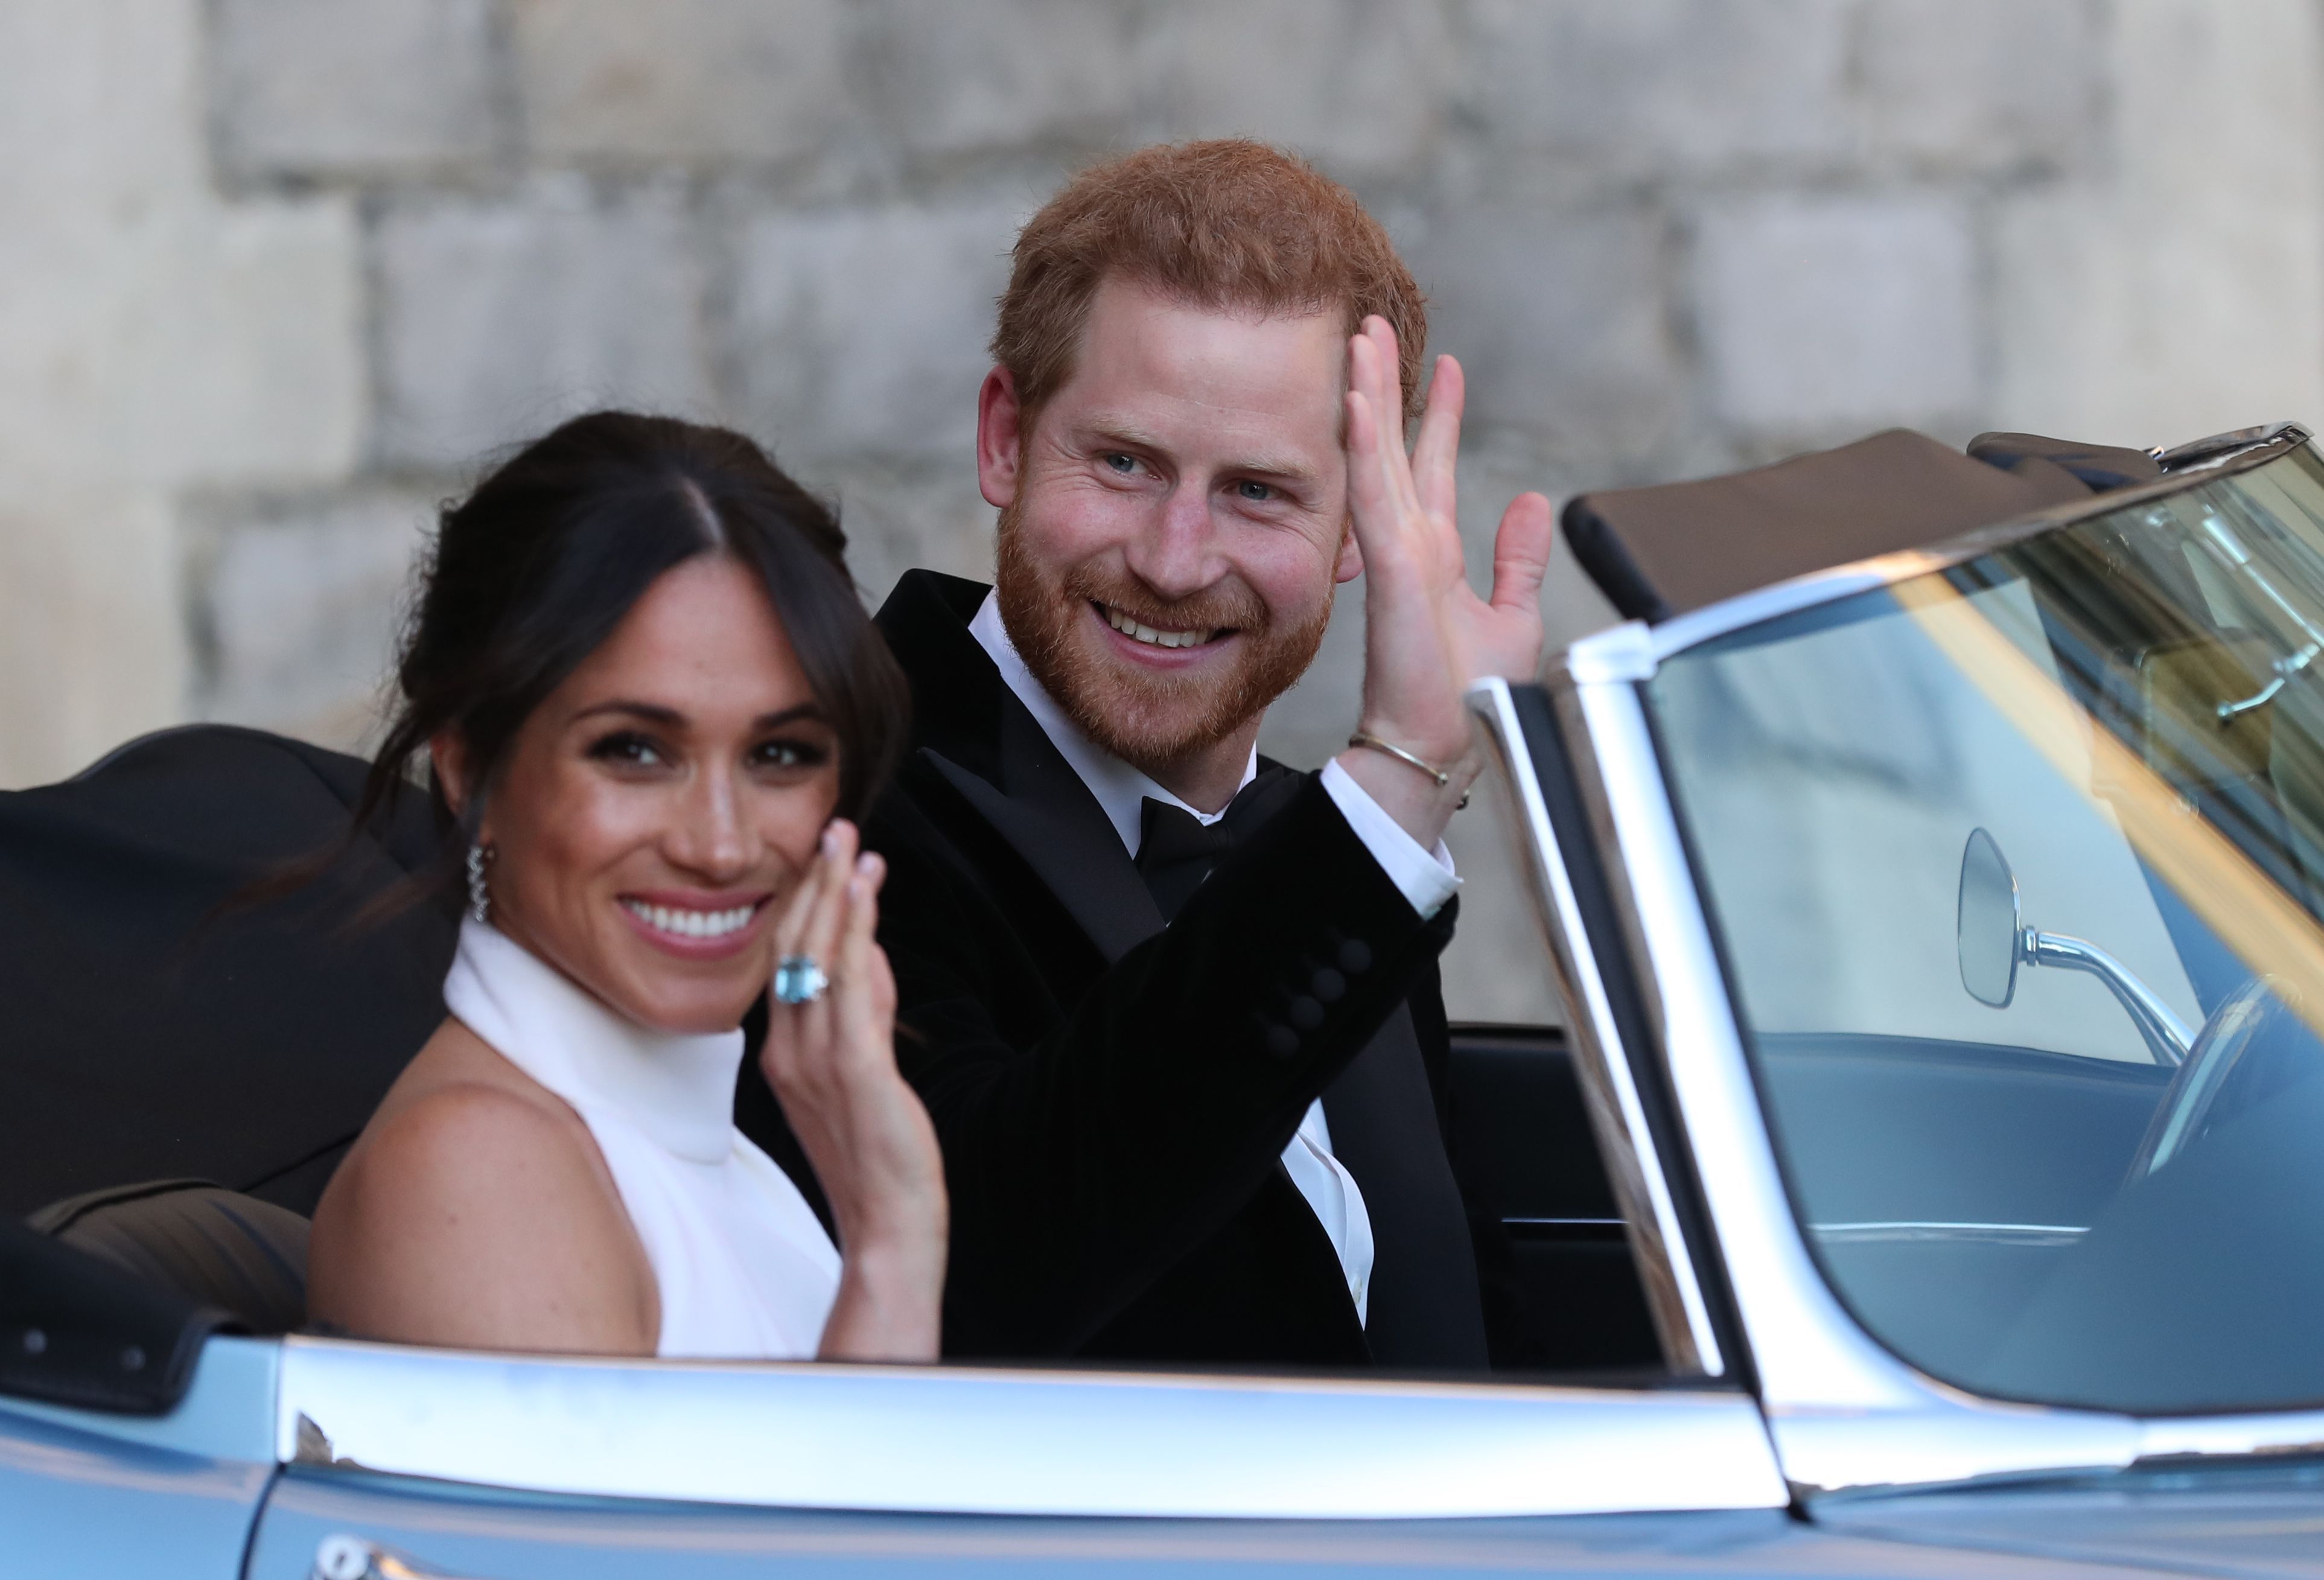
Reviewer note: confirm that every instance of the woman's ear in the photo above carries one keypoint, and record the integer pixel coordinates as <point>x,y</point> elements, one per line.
<point>449,760</point>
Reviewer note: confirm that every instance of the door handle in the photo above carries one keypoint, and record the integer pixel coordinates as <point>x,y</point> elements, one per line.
<point>351,1557</point>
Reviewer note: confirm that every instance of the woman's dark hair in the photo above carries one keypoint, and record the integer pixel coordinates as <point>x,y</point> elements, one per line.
<point>532,572</point>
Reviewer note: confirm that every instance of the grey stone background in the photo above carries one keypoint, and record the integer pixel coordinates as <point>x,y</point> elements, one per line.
<point>275,274</point>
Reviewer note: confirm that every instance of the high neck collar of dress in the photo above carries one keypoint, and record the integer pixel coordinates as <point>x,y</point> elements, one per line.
<point>675,1087</point>
<point>1121,791</point>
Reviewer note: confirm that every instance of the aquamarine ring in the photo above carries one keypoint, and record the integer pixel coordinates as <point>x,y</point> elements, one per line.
<point>798,980</point>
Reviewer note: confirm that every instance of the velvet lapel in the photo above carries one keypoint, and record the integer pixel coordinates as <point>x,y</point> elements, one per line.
<point>973,733</point>
<point>1424,1311</point>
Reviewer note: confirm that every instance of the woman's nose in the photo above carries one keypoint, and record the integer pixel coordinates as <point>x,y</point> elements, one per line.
<point>712,838</point>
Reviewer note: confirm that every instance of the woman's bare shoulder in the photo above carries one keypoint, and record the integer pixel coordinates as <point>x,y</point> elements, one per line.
<point>476,1212</point>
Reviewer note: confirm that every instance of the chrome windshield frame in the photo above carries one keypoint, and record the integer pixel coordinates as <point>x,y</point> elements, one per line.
<point>1845,1411</point>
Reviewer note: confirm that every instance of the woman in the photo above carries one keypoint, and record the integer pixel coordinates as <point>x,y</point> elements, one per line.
<point>652,704</point>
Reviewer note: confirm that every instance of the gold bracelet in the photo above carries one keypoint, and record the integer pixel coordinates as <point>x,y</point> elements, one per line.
<point>1366,738</point>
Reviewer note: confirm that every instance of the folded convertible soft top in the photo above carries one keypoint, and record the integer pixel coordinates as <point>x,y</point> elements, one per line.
<point>148,1027</point>
<point>1663,551</point>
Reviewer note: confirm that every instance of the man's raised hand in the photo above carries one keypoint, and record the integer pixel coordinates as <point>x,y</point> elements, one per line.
<point>1427,635</point>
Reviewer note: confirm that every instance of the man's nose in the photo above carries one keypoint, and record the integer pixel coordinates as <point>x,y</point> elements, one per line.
<point>711,837</point>
<point>1174,555</point>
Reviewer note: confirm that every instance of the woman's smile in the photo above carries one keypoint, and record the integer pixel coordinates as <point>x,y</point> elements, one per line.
<point>695,925</point>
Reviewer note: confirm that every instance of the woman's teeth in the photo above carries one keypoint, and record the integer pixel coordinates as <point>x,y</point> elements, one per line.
<point>1147,633</point>
<point>691,924</point>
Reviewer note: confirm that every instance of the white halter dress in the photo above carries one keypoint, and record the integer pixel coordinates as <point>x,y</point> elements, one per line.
<point>744,1268</point>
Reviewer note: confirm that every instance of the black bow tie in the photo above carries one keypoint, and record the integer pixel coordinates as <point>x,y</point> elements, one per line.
<point>1177,850</point>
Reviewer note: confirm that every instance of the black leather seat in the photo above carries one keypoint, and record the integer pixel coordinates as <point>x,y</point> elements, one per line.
<point>216,1247</point>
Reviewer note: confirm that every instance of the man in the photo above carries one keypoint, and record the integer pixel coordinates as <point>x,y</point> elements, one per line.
<point>1130,957</point>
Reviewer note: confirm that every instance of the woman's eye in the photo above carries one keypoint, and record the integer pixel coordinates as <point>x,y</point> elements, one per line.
<point>791,755</point>
<point>1256,493</point>
<point>632,750</point>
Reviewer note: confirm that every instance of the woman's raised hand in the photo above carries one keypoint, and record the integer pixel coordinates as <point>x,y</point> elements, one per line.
<point>831,1063</point>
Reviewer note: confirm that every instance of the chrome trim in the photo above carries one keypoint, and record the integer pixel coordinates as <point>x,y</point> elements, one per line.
<point>1604,654</point>
<point>1844,1412</point>
<point>958,1440</point>
<point>2184,1436</point>
<point>1907,1230</point>
<point>1665,1267</point>
<point>2167,1037</point>
<point>2220,447</point>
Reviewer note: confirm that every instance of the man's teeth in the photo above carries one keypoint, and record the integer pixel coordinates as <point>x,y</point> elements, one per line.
<point>691,924</point>
<point>1137,632</point>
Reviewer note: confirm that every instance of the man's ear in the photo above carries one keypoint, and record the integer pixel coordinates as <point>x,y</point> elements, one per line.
<point>1000,438</point>
<point>1351,563</point>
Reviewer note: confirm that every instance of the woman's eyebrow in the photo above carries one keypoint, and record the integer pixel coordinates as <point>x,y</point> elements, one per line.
<point>653,712</point>
<point>809,709</point>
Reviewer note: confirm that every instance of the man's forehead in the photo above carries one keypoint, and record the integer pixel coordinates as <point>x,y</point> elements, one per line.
<point>1150,358</point>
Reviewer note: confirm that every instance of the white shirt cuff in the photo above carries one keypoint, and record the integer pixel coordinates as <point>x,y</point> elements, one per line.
<point>1424,877</point>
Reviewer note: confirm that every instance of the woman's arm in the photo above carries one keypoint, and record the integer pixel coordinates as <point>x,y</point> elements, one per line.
<point>831,1063</point>
<point>471,1217</point>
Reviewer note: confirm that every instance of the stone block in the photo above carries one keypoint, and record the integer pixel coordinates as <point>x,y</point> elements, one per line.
<point>495,320</point>
<point>916,516</point>
<point>679,80</point>
<point>1830,317</point>
<point>949,79</point>
<point>352,88</point>
<point>259,373</point>
<point>862,330</point>
<point>1562,323</point>
<point>1633,89</point>
<point>1361,87</point>
<point>1981,85</point>
<point>2172,299</point>
<point>296,609</point>
<point>92,640</point>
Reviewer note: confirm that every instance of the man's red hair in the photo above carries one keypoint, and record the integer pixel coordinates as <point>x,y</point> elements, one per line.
<point>1229,225</point>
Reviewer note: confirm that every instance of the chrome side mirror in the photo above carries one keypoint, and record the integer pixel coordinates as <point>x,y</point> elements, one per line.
<point>1993,940</point>
<point>1986,925</point>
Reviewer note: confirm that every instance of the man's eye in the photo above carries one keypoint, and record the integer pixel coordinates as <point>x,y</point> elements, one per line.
<point>1122,464</point>
<point>632,750</point>
<point>1256,493</point>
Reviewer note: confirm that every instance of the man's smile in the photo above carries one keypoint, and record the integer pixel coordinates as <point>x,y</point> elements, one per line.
<point>1165,636</point>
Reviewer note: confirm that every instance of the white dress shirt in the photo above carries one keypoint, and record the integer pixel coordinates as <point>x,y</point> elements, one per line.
<point>1425,878</point>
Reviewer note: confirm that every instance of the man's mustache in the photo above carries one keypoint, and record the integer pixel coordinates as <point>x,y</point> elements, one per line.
<point>1228,605</point>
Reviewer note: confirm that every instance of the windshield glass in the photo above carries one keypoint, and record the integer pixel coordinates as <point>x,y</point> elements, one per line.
<point>2017,869</point>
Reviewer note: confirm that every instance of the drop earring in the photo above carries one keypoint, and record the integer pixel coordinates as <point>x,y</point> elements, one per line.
<point>480,898</point>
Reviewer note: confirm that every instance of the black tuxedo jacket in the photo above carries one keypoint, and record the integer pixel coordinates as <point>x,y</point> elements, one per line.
<point>1112,1096</point>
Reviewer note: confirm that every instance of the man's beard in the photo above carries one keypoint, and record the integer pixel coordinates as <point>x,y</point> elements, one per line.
<point>1154,718</point>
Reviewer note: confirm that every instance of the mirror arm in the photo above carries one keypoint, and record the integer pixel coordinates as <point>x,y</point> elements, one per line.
<point>2167,1037</point>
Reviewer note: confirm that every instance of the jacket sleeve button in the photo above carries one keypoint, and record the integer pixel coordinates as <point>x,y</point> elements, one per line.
<point>1281,1041</point>
<point>1305,1013</point>
<point>1329,985</point>
<point>1355,956</point>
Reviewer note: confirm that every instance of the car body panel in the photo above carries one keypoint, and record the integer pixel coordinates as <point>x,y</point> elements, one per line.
<point>513,1537</point>
<point>2245,1519</point>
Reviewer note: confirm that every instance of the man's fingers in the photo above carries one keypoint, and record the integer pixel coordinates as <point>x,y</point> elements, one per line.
<point>1438,447</point>
<point>1521,553</point>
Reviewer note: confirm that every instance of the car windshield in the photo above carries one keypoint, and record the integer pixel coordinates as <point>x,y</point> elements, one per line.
<point>2016,867</point>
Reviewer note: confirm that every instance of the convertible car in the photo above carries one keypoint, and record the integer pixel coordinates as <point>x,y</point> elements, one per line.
<point>1929,1178</point>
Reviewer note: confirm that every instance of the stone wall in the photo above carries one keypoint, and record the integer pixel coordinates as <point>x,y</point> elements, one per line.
<point>274,274</point>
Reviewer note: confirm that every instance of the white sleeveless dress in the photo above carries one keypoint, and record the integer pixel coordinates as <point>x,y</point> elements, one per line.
<point>744,1268</point>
